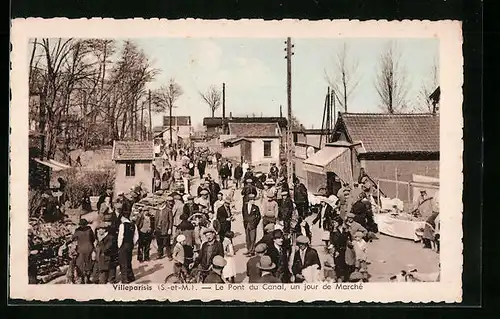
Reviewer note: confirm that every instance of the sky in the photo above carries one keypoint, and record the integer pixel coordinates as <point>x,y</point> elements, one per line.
<point>254,71</point>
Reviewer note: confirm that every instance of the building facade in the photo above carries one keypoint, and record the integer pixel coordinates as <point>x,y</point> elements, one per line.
<point>391,148</point>
<point>133,165</point>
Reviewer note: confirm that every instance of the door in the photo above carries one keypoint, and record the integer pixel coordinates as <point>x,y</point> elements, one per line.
<point>333,183</point>
<point>246,151</point>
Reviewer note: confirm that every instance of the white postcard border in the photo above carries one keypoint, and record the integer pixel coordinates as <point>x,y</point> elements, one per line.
<point>449,289</point>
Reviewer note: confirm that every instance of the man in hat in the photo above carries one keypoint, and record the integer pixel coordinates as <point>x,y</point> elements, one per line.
<point>224,217</point>
<point>164,228</point>
<point>273,171</point>
<point>267,238</point>
<point>251,219</point>
<point>202,164</point>
<point>190,207</point>
<point>107,193</point>
<point>286,211</point>
<point>177,209</point>
<point>302,258</point>
<point>301,198</point>
<point>253,272</point>
<point>424,205</point>
<point>107,252</point>
<point>204,203</point>
<point>209,249</point>
<point>279,254</point>
<point>267,267</point>
<point>270,187</point>
<point>166,178</point>
<point>247,190</point>
<point>238,174</point>
<point>146,225</point>
<point>127,238</point>
<point>269,210</point>
<point>248,174</point>
<point>360,209</point>
<point>205,185</point>
<point>215,274</point>
<point>353,227</point>
<point>224,174</point>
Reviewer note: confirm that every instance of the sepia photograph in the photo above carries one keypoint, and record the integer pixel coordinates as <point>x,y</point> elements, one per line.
<point>230,160</point>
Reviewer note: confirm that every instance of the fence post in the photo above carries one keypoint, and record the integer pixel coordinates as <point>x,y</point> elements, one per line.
<point>397,184</point>
<point>409,193</point>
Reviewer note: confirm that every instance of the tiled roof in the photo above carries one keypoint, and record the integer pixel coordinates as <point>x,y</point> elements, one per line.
<point>254,129</point>
<point>177,121</point>
<point>132,151</point>
<point>217,121</point>
<point>393,132</point>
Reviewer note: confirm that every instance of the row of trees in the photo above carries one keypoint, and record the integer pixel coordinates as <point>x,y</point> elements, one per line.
<point>85,92</point>
<point>391,82</point>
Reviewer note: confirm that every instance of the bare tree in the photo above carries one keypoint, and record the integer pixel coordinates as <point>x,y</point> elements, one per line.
<point>429,85</point>
<point>295,124</point>
<point>213,98</point>
<point>164,100</point>
<point>391,81</point>
<point>344,78</point>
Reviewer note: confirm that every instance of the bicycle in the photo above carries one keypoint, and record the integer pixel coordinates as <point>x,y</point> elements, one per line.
<point>193,276</point>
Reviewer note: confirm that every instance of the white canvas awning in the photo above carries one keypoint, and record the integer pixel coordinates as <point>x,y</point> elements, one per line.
<point>331,159</point>
<point>54,165</point>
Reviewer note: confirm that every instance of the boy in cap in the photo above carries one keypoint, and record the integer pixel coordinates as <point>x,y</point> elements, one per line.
<point>145,225</point>
<point>267,238</point>
<point>215,274</point>
<point>269,210</point>
<point>253,271</point>
<point>302,258</point>
<point>354,226</point>
<point>178,255</point>
<point>360,248</point>
<point>267,267</point>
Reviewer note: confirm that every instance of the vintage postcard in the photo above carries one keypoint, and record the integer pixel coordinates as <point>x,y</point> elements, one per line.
<point>241,160</point>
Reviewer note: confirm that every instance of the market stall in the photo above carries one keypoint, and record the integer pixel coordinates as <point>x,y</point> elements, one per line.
<point>396,226</point>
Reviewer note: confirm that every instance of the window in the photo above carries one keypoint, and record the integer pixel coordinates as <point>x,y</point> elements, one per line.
<point>267,148</point>
<point>130,169</point>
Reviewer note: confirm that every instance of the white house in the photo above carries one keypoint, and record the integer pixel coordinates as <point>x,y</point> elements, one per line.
<point>264,146</point>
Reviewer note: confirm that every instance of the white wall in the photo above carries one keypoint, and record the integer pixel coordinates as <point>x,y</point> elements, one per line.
<point>258,151</point>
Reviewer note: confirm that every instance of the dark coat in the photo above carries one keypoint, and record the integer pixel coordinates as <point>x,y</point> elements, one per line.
<point>280,260</point>
<point>164,220</point>
<point>248,175</point>
<point>360,212</point>
<point>327,221</point>
<point>222,214</point>
<point>214,190</point>
<point>253,272</point>
<point>140,222</point>
<point>190,210</point>
<point>251,219</point>
<point>204,259</point>
<point>238,172</point>
<point>268,279</point>
<point>213,278</point>
<point>266,239</point>
<point>311,258</point>
<point>107,252</point>
<point>225,171</point>
<point>247,190</point>
<point>300,194</point>
<point>84,236</point>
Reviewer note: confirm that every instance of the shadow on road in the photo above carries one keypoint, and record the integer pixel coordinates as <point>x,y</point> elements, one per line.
<point>143,272</point>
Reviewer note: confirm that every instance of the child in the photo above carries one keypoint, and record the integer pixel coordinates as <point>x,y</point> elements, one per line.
<point>359,246</point>
<point>229,270</point>
<point>178,255</point>
<point>330,275</point>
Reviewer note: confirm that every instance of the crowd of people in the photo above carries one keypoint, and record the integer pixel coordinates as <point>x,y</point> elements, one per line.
<point>195,231</point>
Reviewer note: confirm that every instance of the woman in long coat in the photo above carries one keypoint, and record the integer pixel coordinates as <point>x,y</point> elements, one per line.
<point>84,236</point>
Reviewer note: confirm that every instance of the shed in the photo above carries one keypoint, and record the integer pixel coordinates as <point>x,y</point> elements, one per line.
<point>393,146</point>
<point>133,165</point>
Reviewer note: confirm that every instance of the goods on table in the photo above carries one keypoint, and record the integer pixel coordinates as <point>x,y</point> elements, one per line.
<point>391,204</point>
<point>47,241</point>
<point>406,216</point>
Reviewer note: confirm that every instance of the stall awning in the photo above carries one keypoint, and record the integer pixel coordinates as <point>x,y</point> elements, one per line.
<point>54,165</point>
<point>331,159</point>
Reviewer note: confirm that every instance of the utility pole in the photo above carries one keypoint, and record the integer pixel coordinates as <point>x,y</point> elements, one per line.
<point>289,138</point>
<point>150,135</point>
<point>170,114</point>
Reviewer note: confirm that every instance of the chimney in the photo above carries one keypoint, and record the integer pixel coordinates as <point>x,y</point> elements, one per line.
<point>224,100</point>
<point>281,111</point>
